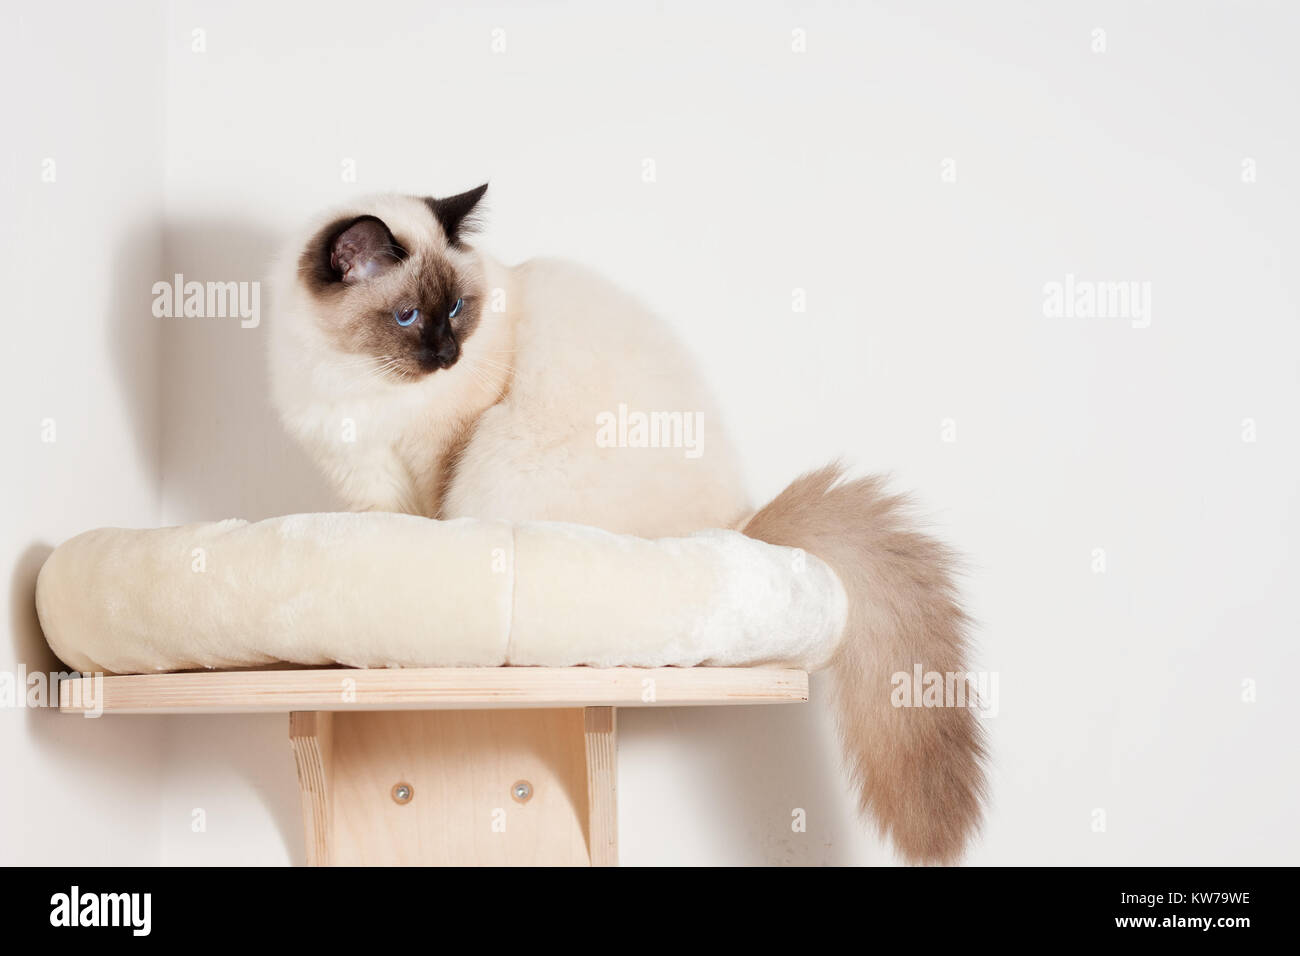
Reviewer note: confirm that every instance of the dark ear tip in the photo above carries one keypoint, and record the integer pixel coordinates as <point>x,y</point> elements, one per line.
<point>454,212</point>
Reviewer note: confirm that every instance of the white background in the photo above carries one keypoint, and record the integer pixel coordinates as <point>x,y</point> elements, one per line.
<point>1120,691</point>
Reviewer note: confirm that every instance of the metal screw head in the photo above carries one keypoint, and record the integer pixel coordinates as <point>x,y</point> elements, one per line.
<point>403,792</point>
<point>521,791</point>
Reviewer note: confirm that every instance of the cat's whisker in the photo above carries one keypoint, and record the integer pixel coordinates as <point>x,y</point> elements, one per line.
<point>368,360</point>
<point>485,360</point>
<point>382,366</point>
<point>486,383</point>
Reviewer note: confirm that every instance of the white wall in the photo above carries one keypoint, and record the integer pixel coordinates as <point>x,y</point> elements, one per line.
<point>821,171</point>
<point>81,402</point>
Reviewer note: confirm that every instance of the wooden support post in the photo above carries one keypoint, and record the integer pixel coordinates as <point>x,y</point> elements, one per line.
<point>458,788</point>
<point>602,784</point>
<point>311,736</point>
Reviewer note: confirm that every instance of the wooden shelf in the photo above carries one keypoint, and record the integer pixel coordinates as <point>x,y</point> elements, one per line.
<point>446,688</point>
<point>548,733</point>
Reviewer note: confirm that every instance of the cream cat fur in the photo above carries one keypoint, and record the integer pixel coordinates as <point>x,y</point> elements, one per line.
<point>487,405</point>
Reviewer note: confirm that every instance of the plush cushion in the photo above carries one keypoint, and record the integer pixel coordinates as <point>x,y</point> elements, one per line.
<point>388,590</point>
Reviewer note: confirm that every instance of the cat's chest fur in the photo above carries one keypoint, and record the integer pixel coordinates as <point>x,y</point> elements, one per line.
<point>382,452</point>
<point>512,430</point>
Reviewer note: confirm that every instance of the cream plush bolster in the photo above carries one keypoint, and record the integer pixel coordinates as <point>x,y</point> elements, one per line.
<point>388,590</point>
<point>365,590</point>
<point>585,596</point>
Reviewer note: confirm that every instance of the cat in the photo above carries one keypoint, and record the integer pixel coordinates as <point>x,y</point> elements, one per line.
<point>468,388</point>
<point>425,377</point>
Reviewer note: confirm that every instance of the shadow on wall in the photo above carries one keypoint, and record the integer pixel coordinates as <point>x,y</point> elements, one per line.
<point>236,773</point>
<point>30,648</point>
<point>742,775</point>
<point>250,754</point>
<point>224,454</point>
<point>203,423</point>
<point>91,753</point>
<point>137,254</point>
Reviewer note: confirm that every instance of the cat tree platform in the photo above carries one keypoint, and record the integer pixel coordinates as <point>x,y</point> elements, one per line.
<point>448,766</point>
<point>507,757</point>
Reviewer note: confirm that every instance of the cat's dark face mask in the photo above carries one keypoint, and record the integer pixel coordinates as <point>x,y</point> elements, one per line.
<point>401,303</point>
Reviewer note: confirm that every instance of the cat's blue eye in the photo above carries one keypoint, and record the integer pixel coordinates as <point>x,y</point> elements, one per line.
<point>406,317</point>
<point>455,309</point>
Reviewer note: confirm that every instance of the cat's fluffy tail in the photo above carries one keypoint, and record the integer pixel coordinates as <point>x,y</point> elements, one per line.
<point>919,771</point>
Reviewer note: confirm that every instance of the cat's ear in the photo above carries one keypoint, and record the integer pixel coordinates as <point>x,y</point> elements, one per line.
<point>455,213</point>
<point>364,250</point>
